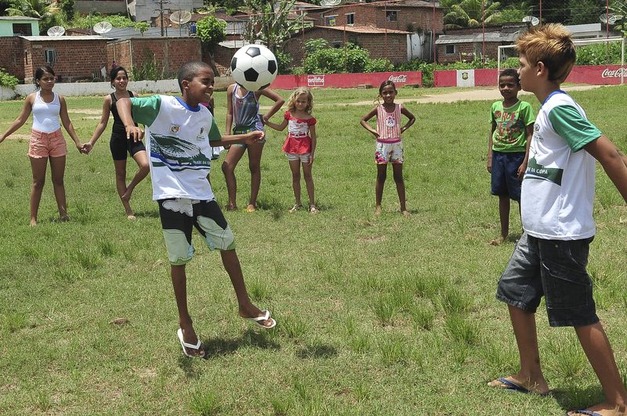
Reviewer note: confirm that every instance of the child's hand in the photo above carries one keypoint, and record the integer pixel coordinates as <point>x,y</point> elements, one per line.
<point>87,148</point>
<point>253,137</point>
<point>134,133</point>
<point>521,170</point>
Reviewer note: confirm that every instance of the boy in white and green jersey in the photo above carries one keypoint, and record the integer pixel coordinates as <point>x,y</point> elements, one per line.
<point>180,133</point>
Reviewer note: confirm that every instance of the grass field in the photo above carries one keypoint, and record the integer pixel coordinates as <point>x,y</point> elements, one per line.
<point>376,315</point>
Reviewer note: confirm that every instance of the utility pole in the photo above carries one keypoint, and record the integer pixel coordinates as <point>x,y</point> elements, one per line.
<point>161,10</point>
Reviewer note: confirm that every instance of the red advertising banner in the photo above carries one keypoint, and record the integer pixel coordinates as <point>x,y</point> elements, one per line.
<point>371,79</point>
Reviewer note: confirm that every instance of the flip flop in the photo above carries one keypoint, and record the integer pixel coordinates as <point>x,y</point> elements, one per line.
<point>510,385</point>
<point>185,346</point>
<point>260,319</point>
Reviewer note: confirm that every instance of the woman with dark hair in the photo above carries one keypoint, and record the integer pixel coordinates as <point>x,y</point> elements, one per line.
<point>120,146</point>
<point>49,111</point>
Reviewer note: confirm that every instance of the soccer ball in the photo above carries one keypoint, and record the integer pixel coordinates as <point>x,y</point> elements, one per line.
<point>254,67</point>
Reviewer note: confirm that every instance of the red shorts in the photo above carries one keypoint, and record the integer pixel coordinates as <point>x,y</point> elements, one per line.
<point>47,144</point>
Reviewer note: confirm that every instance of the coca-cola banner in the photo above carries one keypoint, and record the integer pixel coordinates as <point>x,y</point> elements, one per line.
<point>581,74</point>
<point>367,80</point>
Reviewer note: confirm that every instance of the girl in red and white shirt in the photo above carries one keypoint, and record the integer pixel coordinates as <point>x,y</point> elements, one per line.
<point>300,144</point>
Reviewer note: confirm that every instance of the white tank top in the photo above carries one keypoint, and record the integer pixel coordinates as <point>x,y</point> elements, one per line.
<point>46,115</point>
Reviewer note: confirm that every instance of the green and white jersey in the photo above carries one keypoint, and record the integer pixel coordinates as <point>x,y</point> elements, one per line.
<point>557,193</point>
<point>177,138</point>
<point>510,133</point>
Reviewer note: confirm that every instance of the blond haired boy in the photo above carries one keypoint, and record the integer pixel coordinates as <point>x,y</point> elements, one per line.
<point>557,203</point>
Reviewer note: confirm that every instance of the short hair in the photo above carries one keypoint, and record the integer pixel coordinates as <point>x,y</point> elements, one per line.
<point>114,72</point>
<point>510,72</point>
<point>189,70</point>
<point>386,83</point>
<point>552,45</point>
<point>291,102</point>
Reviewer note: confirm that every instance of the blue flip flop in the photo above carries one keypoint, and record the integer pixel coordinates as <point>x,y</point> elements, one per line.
<point>510,385</point>
<point>583,412</point>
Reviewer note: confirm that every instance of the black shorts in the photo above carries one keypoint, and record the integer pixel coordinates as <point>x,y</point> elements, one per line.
<point>121,146</point>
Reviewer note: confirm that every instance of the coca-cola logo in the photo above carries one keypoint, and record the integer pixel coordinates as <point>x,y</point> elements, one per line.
<point>315,80</point>
<point>614,73</point>
<point>398,78</point>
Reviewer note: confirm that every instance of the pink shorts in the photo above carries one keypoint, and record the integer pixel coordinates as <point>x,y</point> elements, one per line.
<point>47,144</point>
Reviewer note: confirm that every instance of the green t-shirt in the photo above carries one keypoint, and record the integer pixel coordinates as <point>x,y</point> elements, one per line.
<point>510,126</point>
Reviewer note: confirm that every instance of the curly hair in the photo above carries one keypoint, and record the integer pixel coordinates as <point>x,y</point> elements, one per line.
<point>291,102</point>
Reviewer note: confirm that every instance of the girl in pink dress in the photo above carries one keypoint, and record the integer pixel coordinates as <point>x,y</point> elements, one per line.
<point>300,144</point>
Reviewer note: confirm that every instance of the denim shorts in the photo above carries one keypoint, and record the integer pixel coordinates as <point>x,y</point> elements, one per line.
<point>504,179</point>
<point>554,269</point>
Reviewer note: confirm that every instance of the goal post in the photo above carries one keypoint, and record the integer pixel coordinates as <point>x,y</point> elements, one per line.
<point>509,51</point>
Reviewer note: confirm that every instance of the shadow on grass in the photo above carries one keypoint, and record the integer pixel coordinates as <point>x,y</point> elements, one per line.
<point>221,346</point>
<point>576,398</point>
<point>316,351</point>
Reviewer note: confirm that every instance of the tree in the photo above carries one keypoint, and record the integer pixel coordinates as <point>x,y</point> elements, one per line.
<point>211,31</point>
<point>48,13</point>
<point>470,13</point>
<point>585,11</point>
<point>272,22</point>
<point>619,9</point>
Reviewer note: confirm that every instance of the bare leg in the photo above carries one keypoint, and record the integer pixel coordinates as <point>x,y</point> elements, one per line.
<point>295,169</point>
<point>143,169</point>
<point>254,165</point>
<point>233,157</point>
<point>309,183</point>
<point>120,185</point>
<point>530,375</point>
<point>504,207</point>
<point>232,266</point>
<point>599,352</point>
<point>57,170</point>
<point>397,169</point>
<point>179,282</point>
<point>38,168</point>
<point>378,187</point>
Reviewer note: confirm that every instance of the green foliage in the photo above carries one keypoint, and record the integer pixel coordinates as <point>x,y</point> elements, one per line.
<point>470,13</point>
<point>285,61</point>
<point>142,27</point>
<point>323,59</point>
<point>48,13</point>
<point>211,31</point>
<point>7,80</point>
<point>599,54</point>
<point>88,21</point>
<point>148,69</point>
<point>272,22</point>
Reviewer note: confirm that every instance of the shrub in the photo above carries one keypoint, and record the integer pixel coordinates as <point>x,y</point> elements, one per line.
<point>7,80</point>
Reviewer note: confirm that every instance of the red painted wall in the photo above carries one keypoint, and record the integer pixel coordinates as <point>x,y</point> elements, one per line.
<point>373,79</point>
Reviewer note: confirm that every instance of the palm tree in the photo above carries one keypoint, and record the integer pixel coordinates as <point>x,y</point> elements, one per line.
<point>48,13</point>
<point>470,13</point>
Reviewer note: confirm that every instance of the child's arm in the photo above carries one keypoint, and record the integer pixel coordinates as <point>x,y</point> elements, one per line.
<point>133,132</point>
<point>67,123</point>
<point>410,118</point>
<point>102,125</point>
<point>21,119</point>
<point>275,126</point>
<point>490,144</point>
<point>251,137</point>
<point>229,108</point>
<point>278,102</point>
<point>312,134</point>
<point>523,166</point>
<point>612,160</point>
<point>364,122</point>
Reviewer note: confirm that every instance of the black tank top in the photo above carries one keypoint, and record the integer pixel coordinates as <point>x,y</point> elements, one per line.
<point>118,126</point>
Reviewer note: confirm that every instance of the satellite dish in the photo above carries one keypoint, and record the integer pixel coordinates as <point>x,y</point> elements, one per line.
<point>531,19</point>
<point>180,17</point>
<point>609,18</point>
<point>328,3</point>
<point>56,31</point>
<point>102,27</point>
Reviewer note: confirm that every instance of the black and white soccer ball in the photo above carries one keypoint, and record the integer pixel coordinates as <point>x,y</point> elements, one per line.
<point>254,67</point>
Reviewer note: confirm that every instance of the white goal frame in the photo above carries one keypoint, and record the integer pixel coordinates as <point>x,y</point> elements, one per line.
<point>577,42</point>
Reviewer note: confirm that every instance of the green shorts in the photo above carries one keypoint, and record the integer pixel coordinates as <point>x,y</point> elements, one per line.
<point>179,217</point>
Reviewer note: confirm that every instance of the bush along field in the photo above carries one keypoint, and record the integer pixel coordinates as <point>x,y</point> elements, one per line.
<point>377,315</point>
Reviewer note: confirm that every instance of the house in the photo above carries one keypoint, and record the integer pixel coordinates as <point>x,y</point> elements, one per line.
<point>148,10</point>
<point>18,26</point>
<point>468,44</point>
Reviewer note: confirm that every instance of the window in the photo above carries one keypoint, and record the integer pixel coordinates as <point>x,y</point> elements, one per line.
<point>51,56</point>
<point>22,29</point>
<point>391,15</point>
<point>329,20</point>
<point>450,49</point>
<point>350,18</point>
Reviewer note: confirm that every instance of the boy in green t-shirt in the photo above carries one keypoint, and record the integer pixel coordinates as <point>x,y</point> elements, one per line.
<point>508,146</point>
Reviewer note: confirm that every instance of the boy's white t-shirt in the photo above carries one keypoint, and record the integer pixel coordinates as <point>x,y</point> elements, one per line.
<point>557,193</point>
<point>177,138</point>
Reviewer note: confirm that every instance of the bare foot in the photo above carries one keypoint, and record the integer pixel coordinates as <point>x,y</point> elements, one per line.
<point>231,207</point>
<point>512,384</point>
<point>602,409</point>
<point>377,211</point>
<point>253,313</point>
<point>64,218</point>
<point>497,241</point>
<point>192,347</point>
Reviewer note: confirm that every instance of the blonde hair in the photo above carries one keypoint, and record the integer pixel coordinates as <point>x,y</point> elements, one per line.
<point>552,45</point>
<point>291,102</point>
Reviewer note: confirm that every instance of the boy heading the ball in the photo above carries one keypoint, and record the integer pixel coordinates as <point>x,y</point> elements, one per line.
<point>180,133</point>
<point>557,201</point>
